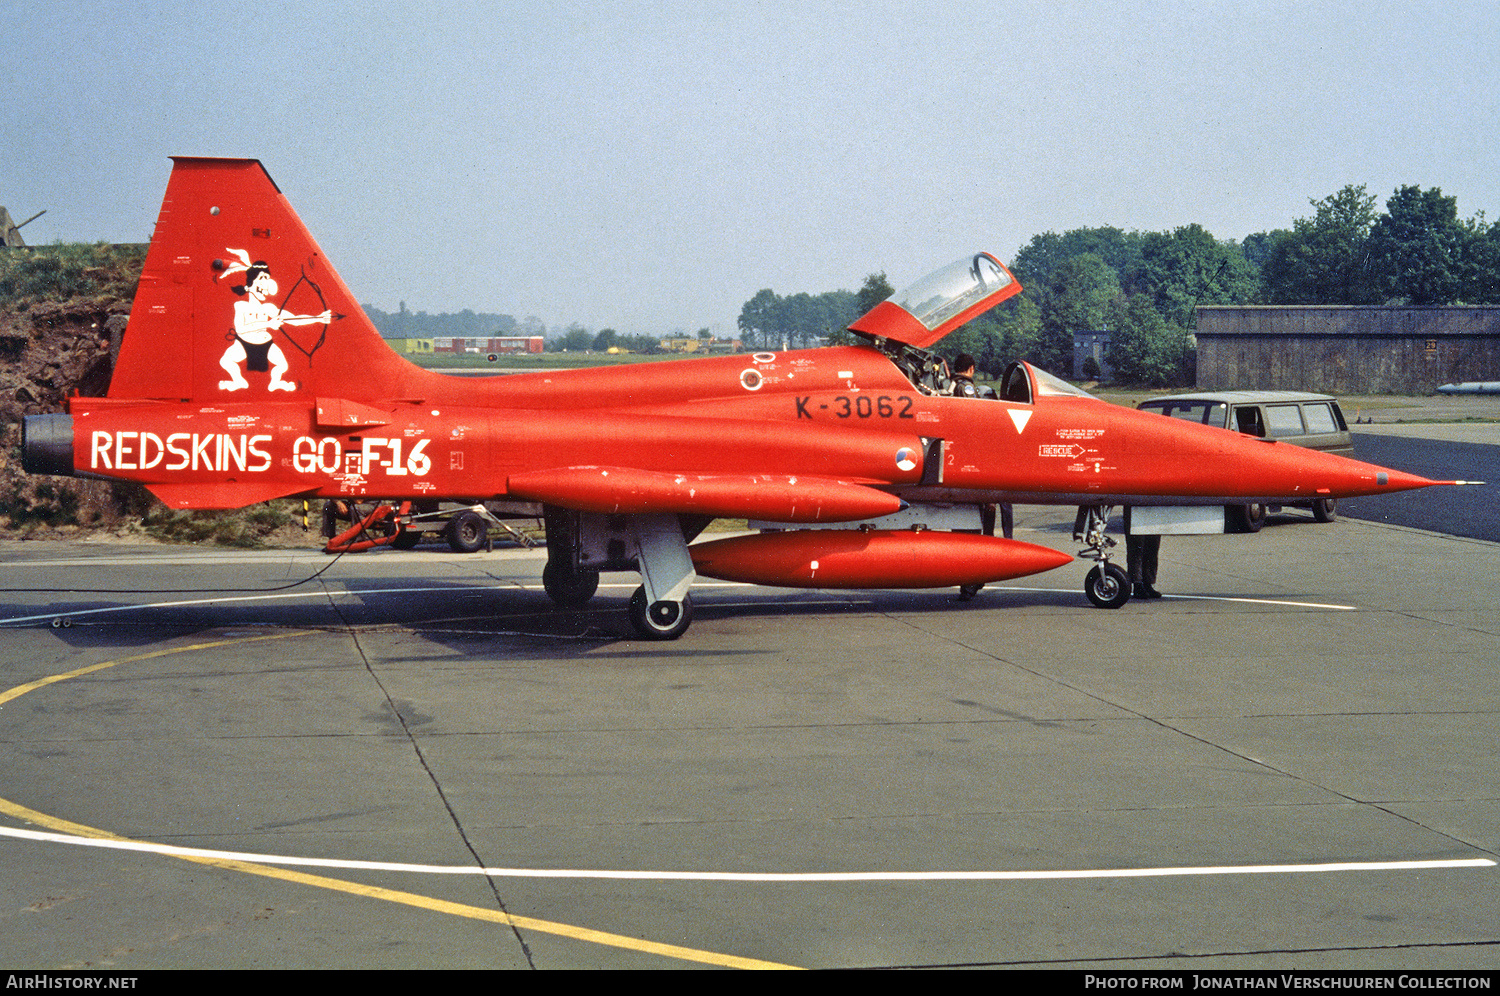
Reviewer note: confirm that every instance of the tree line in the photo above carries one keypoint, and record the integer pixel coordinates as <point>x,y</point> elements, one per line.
<point>578,339</point>
<point>1144,287</point>
<point>466,324</point>
<point>1418,251</point>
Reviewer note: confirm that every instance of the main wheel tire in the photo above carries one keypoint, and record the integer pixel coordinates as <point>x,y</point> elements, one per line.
<point>406,539</point>
<point>1326,509</point>
<point>568,588</point>
<point>1107,586</point>
<point>467,532</point>
<point>1246,518</point>
<point>660,620</point>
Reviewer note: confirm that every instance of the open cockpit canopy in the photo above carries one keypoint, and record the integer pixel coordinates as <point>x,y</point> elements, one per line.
<point>940,302</point>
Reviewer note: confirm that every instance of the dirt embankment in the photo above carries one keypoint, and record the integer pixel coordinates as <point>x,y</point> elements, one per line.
<point>63,310</point>
<point>49,351</point>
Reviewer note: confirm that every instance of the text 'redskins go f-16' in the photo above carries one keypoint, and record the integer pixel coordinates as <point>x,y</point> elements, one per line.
<point>248,372</point>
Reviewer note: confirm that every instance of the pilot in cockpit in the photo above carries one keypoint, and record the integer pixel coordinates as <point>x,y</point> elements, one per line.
<point>963,385</point>
<point>963,377</point>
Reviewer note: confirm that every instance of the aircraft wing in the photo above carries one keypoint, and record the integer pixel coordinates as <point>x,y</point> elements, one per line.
<point>625,490</point>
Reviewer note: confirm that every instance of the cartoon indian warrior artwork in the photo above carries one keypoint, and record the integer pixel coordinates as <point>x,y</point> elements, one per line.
<point>255,322</point>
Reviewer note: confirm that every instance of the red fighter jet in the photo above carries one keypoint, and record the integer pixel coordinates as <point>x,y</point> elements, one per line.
<point>248,372</point>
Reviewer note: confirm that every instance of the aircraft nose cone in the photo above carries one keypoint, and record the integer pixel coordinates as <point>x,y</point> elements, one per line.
<point>1396,480</point>
<point>1341,477</point>
<point>1378,480</point>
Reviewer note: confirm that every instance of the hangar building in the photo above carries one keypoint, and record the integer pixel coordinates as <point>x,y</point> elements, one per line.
<point>1345,350</point>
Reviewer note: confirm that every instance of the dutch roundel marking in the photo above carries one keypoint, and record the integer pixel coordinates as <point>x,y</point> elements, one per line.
<point>906,458</point>
<point>751,380</point>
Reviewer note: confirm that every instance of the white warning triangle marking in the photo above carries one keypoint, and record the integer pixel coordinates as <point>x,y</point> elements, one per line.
<point>1020,417</point>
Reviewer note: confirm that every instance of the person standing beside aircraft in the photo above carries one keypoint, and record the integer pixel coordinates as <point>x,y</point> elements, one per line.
<point>1141,554</point>
<point>963,386</point>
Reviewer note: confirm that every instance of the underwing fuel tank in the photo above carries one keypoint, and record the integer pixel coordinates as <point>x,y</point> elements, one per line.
<point>874,558</point>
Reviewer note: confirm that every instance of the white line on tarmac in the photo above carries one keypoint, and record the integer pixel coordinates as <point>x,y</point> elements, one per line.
<point>1189,598</point>
<point>243,598</point>
<point>700,876</point>
<point>236,558</point>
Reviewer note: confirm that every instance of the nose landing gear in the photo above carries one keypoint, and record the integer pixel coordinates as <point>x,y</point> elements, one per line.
<point>1107,585</point>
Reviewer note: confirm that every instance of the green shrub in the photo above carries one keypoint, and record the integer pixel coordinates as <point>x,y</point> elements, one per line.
<point>48,503</point>
<point>67,270</point>
<point>246,527</point>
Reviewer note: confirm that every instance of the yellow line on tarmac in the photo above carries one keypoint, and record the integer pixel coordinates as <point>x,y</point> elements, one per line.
<point>413,899</point>
<point>356,888</point>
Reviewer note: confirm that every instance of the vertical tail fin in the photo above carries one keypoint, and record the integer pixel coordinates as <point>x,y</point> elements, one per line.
<point>238,303</point>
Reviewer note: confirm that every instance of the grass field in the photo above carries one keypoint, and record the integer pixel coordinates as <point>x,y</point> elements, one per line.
<point>534,361</point>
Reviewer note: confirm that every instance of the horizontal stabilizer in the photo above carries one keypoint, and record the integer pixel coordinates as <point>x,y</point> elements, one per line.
<point>622,490</point>
<point>338,413</point>
<point>222,494</point>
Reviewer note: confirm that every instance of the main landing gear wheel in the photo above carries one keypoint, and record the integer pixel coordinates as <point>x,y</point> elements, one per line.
<point>660,620</point>
<point>1247,518</point>
<point>406,539</point>
<point>1326,509</point>
<point>569,589</point>
<point>467,532</point>
<point>1107,586</point>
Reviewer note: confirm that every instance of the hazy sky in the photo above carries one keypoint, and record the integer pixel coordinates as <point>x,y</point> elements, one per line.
<point>651,166</point>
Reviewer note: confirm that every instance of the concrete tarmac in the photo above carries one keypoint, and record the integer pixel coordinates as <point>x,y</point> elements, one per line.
<point>1276,766</point>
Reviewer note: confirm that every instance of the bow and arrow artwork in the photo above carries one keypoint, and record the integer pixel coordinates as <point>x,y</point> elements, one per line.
<point>252,342</point>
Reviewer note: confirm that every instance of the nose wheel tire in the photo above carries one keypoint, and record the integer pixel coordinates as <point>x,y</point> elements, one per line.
<point>1325,509</point>
<point>1107,586</point>
<point>660,620</point>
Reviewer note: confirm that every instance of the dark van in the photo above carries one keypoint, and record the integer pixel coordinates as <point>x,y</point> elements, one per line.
<point>1311,420</point>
